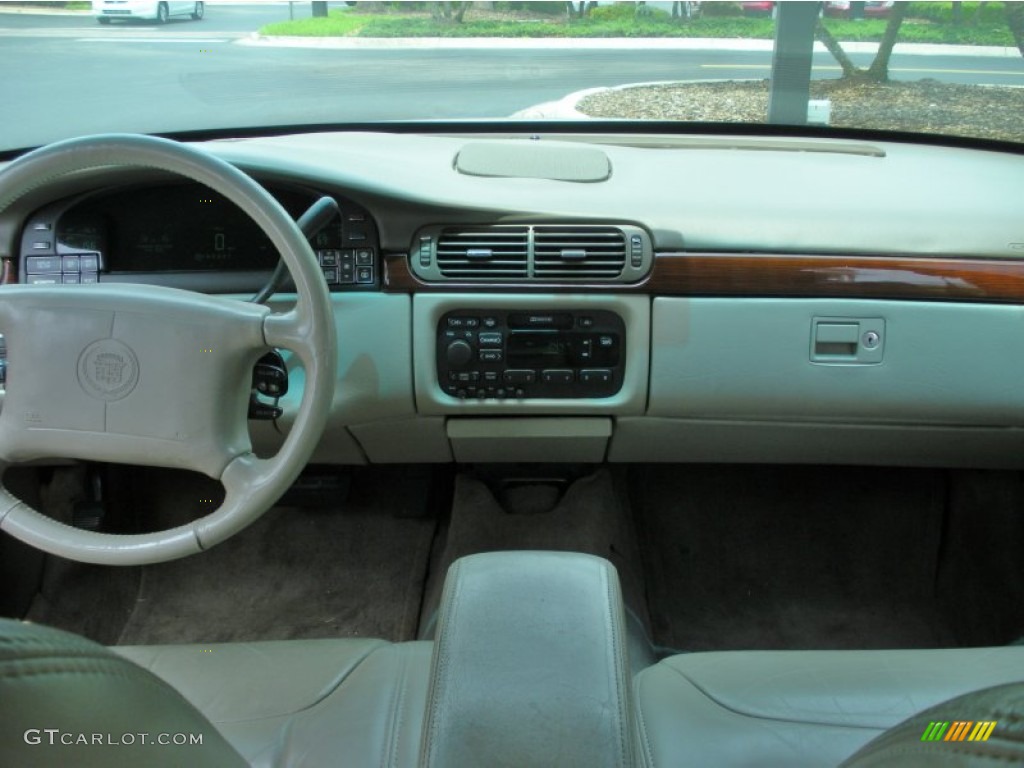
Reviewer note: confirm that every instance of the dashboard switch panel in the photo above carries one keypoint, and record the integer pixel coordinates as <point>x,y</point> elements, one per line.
<point>519,355</point>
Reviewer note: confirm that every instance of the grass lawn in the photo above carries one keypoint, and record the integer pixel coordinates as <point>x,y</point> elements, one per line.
<point>984,31</point>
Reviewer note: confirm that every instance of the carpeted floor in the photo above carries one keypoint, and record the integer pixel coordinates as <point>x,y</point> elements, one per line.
<point>592,517</point>
<point>792,557</point>
<point>354,570</point>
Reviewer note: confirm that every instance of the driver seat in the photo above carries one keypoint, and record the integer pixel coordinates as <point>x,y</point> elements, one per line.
<point>65,700</point>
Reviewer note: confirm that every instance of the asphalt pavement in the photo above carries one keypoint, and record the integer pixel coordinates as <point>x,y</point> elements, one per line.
<point>67,75</point>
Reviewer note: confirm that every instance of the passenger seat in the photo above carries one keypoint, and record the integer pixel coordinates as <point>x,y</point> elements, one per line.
<point>810,708</point>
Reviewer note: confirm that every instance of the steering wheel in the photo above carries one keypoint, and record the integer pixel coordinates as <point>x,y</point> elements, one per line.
<point>150,375</point>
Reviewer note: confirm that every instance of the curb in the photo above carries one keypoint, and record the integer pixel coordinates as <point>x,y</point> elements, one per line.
<point>610,43</point>
<point>565,108</point>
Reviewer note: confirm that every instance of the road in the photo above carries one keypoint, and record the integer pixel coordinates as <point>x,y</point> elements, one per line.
<point>67,75</point>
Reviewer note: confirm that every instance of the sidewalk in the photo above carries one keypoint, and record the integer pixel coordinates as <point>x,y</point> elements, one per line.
<point>609,44</point>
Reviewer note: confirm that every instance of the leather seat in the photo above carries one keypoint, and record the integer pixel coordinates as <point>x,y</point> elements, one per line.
<point>304,702</point>
<point>289,703</point>
<point>799,708</point>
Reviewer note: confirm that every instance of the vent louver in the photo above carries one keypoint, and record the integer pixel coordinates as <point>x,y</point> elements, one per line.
<point>570,253</point>
<point>483,252</point>
<point>578,252</point>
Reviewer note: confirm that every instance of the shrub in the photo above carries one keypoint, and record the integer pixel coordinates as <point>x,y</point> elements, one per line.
<point>721,9</point>
<point>622,11</point>
<point>972,13</point>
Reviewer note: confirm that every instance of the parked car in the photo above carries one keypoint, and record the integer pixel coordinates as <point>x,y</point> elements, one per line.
<point>868,10</point>
<point>160,11</point>
<point>758,8</point>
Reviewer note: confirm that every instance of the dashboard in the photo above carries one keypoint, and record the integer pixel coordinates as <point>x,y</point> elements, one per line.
<point>705,298</point>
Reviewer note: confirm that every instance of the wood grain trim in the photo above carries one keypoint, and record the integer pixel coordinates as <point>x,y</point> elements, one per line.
<point>724,274</point>
<point>874,277</point>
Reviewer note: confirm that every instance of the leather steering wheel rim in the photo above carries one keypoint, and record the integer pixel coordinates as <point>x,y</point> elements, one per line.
<point>112,374</point>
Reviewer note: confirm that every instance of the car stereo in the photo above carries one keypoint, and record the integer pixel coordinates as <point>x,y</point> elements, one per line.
<point>520,354</point>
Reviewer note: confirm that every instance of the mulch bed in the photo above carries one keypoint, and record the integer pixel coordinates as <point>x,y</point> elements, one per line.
<point>923,106</point>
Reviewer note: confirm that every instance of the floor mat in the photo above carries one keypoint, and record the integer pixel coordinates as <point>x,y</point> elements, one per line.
<point>791,557</point>
<point>590,517</point>
<point>353,570</point>
<point>357,571</point>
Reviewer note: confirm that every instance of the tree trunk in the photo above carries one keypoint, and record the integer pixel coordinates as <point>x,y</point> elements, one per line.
<point>849,68</point>
<point>879,69</point>
<point>1015,21</point>
<point>459,14</point>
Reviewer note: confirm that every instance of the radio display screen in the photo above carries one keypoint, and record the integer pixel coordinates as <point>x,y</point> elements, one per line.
<point>540,349</point>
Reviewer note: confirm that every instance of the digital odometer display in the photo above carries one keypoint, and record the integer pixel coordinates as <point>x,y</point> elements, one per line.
<point>178,228</point>
<point>80,233</point>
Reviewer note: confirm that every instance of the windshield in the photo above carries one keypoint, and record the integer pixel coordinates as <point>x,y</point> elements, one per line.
<point>74,68</point>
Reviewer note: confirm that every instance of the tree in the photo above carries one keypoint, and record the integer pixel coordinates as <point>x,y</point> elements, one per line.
<point>878,72</point>
<point>449,12</point>
<point>1015,21</point>
<point>574,12</point>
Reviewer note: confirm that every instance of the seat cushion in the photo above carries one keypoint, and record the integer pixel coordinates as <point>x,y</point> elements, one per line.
<point>798,708</point>
<point>65,700</point>
<point>304,702</point>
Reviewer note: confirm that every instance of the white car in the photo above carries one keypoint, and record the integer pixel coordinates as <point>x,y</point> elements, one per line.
<point>157,10</point>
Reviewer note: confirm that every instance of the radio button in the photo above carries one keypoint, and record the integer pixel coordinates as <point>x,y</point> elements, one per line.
<point>557,376</point>
<point>491,377</point>
<point>463,322</point>
<point>490,339</point>
<point>595,376</point>
<point>459,353</point>
<point>490,356</point>
<point>520,377</point>
<point>490,322</point>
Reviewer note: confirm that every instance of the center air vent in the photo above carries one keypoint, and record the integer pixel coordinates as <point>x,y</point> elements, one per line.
<point>484,252</point>
<point>577,252</point>
<point>548,253</point>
